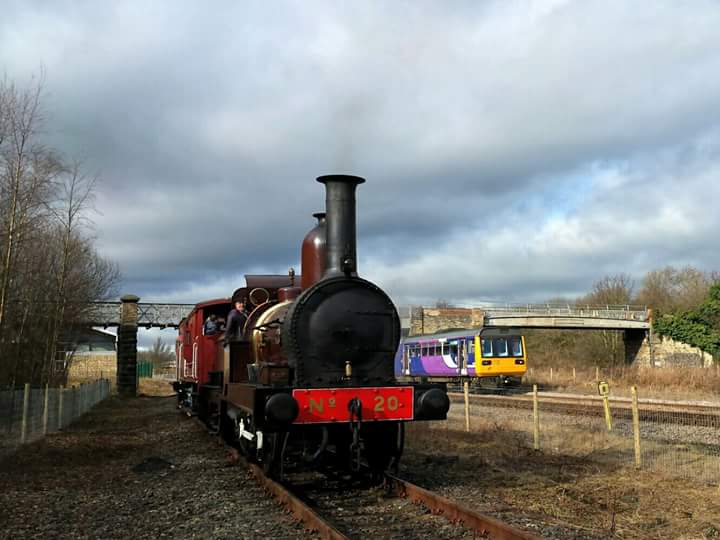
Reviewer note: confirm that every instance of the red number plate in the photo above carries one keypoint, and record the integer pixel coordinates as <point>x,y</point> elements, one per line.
<point>324,405</point>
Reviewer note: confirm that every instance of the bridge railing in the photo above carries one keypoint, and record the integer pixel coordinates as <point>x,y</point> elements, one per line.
<point>149,314</point>
<point>621,312</point>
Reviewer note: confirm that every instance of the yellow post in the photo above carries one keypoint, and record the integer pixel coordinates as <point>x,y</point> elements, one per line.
<point>636,426</point>
<point>466,389</point>
<point>551,375</point>
<point>604,391</point>
<point>574,376</point>
<point>536,420</point>
<point>597,374</point>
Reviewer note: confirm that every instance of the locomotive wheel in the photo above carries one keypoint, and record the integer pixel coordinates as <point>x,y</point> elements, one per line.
<point>272,453</point>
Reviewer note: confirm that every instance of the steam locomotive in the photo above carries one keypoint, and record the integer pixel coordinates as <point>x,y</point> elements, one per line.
<point>310,378</point>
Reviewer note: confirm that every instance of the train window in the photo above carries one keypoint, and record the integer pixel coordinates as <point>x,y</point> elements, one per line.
<point>516,346</point>
<point>501,347</point>
<point>443,348</point>
<point>423,350</point>
<point>453,345</point>
<point>487,347</point>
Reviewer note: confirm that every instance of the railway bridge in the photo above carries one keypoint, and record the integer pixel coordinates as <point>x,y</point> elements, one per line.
<point>129,314</point>
<point>634,321</point>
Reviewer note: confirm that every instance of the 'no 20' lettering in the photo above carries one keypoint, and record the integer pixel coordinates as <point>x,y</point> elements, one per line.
<point>381,403</point>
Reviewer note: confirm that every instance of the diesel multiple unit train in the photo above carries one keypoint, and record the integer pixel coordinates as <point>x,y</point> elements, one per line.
<point>487,354</point>
<point>310,377</point>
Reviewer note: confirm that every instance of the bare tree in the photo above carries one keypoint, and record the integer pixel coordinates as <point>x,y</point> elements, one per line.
<point>76,191</point>
<point>614,290</point>
<point>671,290</point>
<point>49,268</point>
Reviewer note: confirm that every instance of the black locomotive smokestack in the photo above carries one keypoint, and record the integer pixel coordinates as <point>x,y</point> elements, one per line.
<point>341,224</point>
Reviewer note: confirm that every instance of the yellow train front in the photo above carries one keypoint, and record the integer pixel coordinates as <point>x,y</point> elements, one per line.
<point>310,378</point>
<point>497,354</point>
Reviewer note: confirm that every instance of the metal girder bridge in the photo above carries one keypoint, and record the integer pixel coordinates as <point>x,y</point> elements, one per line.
<point>150,314</point>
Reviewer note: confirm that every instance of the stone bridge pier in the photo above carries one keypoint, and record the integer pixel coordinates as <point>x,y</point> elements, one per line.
<point>637,346</point>
<point>127,346</point>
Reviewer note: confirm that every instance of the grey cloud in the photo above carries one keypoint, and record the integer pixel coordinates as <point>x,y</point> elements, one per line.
<point>209,126</point>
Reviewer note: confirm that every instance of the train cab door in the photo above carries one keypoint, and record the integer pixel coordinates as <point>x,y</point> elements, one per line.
<point>462,357</point>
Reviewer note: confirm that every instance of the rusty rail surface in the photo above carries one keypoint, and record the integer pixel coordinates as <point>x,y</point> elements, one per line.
<point>299,509</point>
<point>312,521</point>
<point>481,524</point>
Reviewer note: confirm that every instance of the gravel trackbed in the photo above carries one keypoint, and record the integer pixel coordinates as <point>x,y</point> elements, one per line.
<point>134,468</point>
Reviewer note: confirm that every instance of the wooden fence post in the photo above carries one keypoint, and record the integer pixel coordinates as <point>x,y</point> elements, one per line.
<point>45,408</point>
<point>25,411</point>
<point>636,427</point>
<point>536,419</point>
<point>61,395</point>
<point>466,390</point>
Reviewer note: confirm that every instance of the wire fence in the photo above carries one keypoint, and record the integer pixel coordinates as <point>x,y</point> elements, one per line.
<point>677,441</point>
<point>28,414</point>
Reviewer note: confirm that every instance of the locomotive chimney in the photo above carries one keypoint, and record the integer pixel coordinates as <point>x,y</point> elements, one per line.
<point>341,226</point>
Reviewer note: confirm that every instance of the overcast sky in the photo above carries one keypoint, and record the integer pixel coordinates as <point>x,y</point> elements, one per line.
<point>514,151</point>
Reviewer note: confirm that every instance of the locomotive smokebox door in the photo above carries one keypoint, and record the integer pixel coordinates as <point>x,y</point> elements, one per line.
<point>340,326</point>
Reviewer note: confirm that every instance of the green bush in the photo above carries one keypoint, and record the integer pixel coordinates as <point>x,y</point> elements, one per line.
<point>699,327</point>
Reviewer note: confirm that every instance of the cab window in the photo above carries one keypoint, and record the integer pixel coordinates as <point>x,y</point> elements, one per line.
<point>486,347</point>
<point>501,347</point>
<point>516,346</point>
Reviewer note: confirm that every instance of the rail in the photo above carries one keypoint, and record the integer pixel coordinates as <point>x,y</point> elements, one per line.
<point>480,524</point>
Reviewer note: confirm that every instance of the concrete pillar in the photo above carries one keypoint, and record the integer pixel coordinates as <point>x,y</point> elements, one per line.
<point>127,347</point>
<point>417,325</point>
<point>634,340</point>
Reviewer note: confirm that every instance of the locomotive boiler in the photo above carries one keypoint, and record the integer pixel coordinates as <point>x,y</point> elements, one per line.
<point>310,378</point>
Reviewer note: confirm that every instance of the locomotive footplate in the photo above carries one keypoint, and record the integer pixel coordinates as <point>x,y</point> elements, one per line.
<point>267,405</point>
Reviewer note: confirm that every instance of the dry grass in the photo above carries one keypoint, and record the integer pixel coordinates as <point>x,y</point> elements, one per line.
<point>495,467</point>
<point>155,387</point>
<point>691,383</point>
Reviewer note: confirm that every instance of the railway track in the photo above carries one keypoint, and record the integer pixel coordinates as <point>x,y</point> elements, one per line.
<point>332,509</point>
<point>659,411</point>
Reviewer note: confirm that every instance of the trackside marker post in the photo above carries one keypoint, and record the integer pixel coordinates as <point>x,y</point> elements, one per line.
<point>604,391</point>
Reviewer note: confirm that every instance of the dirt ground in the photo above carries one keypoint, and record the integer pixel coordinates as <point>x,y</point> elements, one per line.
<point>494,470</point>
<point>134,468</point>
